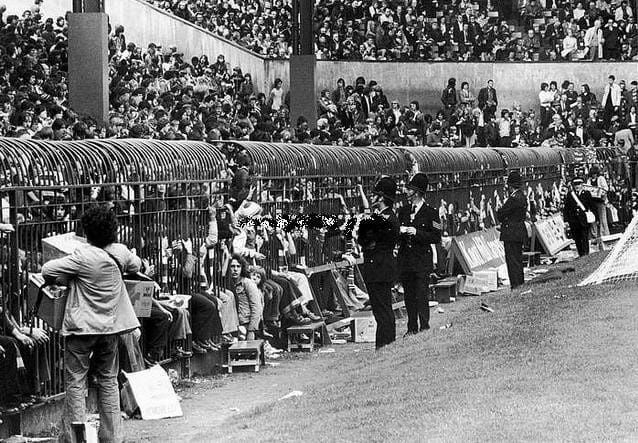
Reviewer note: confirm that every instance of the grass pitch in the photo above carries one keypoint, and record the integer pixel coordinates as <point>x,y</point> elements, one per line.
<point>557,364</point>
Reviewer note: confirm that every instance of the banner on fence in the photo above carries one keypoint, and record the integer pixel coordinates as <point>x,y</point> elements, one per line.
<point>550,232</point>
<point>477,251</point>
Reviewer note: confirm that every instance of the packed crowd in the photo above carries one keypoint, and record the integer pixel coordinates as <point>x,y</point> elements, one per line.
<point>155,93</point>
<point>524,30</point>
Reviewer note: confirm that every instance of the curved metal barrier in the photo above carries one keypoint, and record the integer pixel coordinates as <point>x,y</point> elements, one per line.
<point>162,192</point>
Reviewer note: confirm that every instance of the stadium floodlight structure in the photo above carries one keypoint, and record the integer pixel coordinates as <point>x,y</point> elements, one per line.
<point>621,263</point>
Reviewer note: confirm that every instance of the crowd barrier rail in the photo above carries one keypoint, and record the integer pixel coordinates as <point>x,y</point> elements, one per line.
<point>161,193</point>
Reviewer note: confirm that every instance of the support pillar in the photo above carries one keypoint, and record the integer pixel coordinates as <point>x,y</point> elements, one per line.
<point>303,97</point>
<point>88,63</point>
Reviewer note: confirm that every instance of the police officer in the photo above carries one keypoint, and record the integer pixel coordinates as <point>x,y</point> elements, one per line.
<point>420,228</point>
<point>513,232</point>
<point>378,234</point>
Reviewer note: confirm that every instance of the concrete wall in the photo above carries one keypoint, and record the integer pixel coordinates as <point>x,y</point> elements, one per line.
<point>514,82</point>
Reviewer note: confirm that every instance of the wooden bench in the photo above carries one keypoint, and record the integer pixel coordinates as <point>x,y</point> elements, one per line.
<point>248,353</point>
<point>298,343</point>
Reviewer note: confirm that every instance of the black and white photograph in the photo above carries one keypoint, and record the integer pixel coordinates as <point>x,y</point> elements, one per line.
<point>318,220</point>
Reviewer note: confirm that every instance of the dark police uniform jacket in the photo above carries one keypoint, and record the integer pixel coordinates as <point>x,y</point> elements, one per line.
<point>378,236</point>
<point>512,218</point>
<point>415,253</point>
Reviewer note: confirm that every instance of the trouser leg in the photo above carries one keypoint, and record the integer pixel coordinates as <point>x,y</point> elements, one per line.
<point>106,365</point>
<point>381,301</point>
<point>514,261</point>
<point>76,367</point>
<point>409,295</point>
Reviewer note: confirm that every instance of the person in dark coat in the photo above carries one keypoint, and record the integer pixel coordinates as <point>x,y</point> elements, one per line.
<point>513,231</point>
<point>378,235</point>
<point>420,228</point>
<point>577,203</point>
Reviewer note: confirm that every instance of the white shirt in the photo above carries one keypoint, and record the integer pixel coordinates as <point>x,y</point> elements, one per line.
<point>415,210</point>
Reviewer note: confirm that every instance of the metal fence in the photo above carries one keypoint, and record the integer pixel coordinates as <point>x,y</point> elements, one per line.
<point>162,193</point>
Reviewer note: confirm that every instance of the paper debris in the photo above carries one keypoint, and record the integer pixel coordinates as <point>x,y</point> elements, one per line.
<point>291,395</point>
<point>326,351</point>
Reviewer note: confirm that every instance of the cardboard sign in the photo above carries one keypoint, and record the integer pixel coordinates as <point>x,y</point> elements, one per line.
<point>52,304</point>
<point>141,294</point>
<point>551,234</point>
<point>152,392</point>
<point>59,246</point>
<point>480,282</point>
<point>478,251</point>
<point>365,329</point>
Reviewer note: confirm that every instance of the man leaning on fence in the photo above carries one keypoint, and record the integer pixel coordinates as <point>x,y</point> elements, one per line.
<point>98,310</point>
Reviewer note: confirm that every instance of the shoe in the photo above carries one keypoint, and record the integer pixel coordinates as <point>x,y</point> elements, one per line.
<point>180,353</point>
<point>214,346</point>
<point>266,335</point>
<point>327,313</point>
<point>407,334</point>
<point>269,348</point>
<point>203,345</point>
<point>424,328</point>
<point>198,349</point>
<point>312,316</point>
<point>227,338</point>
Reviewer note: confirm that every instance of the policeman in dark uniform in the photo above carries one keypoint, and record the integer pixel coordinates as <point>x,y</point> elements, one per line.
<point>513,231</point>
<point>378,234</point>
<point>420,228</point>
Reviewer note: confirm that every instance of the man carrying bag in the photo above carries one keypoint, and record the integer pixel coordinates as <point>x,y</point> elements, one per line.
<point>98,310</point>
<point>577,214</point>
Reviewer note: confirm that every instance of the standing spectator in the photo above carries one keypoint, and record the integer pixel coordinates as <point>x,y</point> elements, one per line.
<point>611,41</point>
<point>600,202</point>
<point>98,311</point>
<point>611,99</point>
<point>594,41</point>
<point>466,97</point>
<point>504,129</point>
<point>546,97</point>
<point>513,231</point>
<point>378,236</point>
<point>577,203</point>
<point>276,98</point>
<point>449,98</point>
<point>420,228</point>
<point>488,100</point>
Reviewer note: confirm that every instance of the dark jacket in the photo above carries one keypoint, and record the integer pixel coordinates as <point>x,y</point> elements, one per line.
<point>512,218</point>
<point>378,236</point>
<point>572,212</point>
<point>415,253</point>
<point>483,97</point>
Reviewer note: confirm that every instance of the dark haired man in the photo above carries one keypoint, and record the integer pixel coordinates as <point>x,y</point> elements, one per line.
<point>98,310</point>
<point>378,236</point>
<point>487,100</point>
<point>513,232</point>
<point>420,228</point>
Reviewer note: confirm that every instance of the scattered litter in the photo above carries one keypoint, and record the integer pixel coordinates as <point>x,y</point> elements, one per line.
<point>234,409</point>
<point>326,351</point>
<point>452,299</point>
<point>356,350</point>
<point>272,356</point>
<point>486,308</point>
<point>528,292</point>
<point>560,296</point>
<point>291,395</point>
<point>338,341</point>
<point>433,303</point>
<point>541,270</point>
<point>446,326</point>
<point>272,363</point>
<point>440,310</point>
